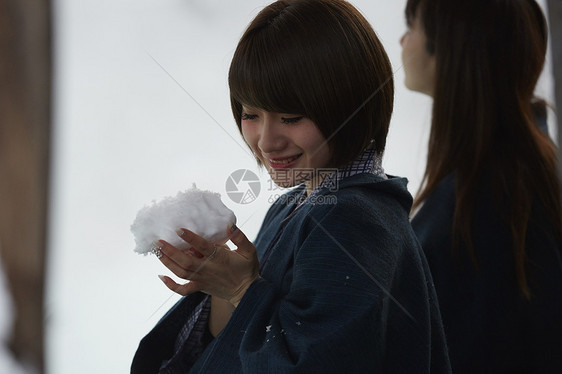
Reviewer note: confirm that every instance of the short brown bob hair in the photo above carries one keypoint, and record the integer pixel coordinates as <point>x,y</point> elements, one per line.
<point>320,59</point>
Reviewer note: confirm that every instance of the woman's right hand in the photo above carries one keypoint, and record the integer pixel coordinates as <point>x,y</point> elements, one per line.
<point>213,269</point>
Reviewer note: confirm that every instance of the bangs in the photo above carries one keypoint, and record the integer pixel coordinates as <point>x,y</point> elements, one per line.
<point>263,74</point>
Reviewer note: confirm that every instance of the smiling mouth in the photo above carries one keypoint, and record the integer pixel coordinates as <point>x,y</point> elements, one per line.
<point>279,163</point>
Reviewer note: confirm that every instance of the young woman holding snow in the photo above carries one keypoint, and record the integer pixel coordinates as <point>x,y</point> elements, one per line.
<point>338,287</point>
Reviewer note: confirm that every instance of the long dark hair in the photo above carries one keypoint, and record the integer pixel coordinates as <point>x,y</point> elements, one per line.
<point>489,56</point>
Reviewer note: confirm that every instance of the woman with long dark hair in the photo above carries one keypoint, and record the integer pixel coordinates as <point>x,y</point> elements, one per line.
<point>488,212</point>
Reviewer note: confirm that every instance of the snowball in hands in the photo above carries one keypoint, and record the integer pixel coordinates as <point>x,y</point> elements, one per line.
<point>199,211</point>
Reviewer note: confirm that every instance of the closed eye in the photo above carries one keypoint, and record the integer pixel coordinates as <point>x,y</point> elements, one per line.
<point>248,117</point>
<point>291,120</point>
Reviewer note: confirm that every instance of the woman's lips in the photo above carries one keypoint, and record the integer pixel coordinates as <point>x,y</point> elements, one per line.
<point>283,163</point>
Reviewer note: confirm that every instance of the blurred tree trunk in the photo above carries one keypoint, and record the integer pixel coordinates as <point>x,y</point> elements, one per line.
<point>555,18</point>
<point>25,116</point>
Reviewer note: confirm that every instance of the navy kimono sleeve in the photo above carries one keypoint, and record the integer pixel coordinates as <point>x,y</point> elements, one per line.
<point>344,290</point>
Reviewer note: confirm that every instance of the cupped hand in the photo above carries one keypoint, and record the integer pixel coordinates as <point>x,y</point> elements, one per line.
<point>213,269</point>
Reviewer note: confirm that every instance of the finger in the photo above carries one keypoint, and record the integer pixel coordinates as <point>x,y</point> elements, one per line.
<point>195,252</point>
<point>182,264</point>
<point>182,289</point>
<point>200,244</point>
<point>177,269</point>
<point>244,245</point>
<point>184,259</point>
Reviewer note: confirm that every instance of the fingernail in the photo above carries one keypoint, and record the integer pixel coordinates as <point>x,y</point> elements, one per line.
<point>184,234</point>
<point>157,249</point>
<point>162,278</point>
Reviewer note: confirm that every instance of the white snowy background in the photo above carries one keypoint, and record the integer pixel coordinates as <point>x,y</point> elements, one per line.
<point>141,112</point>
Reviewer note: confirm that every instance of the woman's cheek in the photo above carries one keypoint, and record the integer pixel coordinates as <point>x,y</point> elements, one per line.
<point>250,135</point>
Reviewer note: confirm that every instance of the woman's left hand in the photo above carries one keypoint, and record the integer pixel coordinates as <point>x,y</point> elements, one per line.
<point>210,268</point>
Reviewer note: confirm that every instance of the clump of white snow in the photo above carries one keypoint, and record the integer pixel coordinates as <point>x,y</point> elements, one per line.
<point>202,212</point>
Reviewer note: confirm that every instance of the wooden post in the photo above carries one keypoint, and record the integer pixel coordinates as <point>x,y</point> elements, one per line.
<point>25,116</point>
<point>555,18</point>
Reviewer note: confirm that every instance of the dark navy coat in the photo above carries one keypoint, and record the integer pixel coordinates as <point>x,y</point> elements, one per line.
<point>344,288</point>
<point>490,327</point>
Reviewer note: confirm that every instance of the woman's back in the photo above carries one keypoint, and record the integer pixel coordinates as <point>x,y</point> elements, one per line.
<point>488,213</point>
<point>490,327</point>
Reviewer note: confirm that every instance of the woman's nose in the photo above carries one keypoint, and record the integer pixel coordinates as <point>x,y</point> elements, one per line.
<point>272,138</point>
